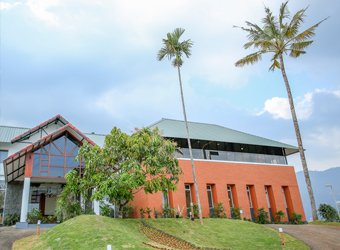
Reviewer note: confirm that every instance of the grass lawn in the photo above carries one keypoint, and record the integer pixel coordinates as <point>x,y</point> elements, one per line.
<point>95,232</point>
<point>327,223</point>
<point>88,232</point>
<point>219,233</point>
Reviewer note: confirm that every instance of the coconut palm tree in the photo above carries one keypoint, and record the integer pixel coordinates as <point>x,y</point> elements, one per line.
<point>280,37</point>
<point>174,49</point>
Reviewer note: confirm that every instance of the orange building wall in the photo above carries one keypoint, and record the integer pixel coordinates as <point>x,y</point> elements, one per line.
<point>239,174</point>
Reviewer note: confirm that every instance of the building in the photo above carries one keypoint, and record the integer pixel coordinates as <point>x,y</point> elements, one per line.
<point>236,169</point>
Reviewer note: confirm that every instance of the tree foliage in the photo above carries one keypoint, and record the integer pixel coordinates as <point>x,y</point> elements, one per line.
<point>328,212</point>
<point>126,164</point>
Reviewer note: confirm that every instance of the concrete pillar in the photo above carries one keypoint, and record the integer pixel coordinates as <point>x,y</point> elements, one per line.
<point>25,199</point>
<point>96,207</point>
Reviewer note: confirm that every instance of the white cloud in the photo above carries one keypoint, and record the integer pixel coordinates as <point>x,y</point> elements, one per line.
<point>278,107</point>
<point>8,6</point>
<point>41,9</point>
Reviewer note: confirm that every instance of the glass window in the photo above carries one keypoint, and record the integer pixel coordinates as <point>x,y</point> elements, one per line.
<point>56,158</point>
<point>267,196</point>
<point>249,197</point>
<point>210,196</point>
<point>165,199</point>
<point>230,196</point>
<point>188,197</point>
<point>3,155</point>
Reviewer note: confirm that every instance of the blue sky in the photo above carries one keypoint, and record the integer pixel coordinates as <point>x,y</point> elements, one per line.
<point>95,63</point>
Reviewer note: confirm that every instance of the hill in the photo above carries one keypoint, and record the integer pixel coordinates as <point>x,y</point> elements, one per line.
<point>95,232</point>
<point>322,194</point>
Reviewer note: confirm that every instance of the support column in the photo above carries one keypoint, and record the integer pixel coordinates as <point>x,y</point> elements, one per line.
<point>25,199</point>
<point>96,207</point>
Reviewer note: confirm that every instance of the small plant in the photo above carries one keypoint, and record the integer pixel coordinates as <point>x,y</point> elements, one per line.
<point>34,216</point>
<point>179,212</point>
<point>279,215</point>
<point>11,219</point>
<point>148,211</point>
<point>296,218</point>
<point>167,212</point>
<point>328,212</point>
<point>49,219</point>
<point>127,211</point>
<point>235,213</point>
<point>219,211</point>
<point>155,212</point>
<point>141,213</point>
<point>105,209</point>
<point>195,209</point>
<point>262,216</point>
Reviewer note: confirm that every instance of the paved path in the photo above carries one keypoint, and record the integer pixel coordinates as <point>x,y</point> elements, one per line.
<point>10,234</point>
<point>315,236</point>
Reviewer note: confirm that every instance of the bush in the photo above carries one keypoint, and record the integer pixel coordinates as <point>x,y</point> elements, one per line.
<point>34,216</point>
<point>262,216</point>
<point>127,211</point>
<point>106,210</point>
<point>148,211</point>
<point>167,212</point>
<point>328,212</point>
<point>195,209</point>
<point>141,213</point>
<point>219,211</point>
<point>279,215</point>
<point>296,218</point>
<point>11,219</point>
<point>235,213</point>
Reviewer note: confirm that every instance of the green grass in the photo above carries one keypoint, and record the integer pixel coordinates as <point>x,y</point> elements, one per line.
<point>88,232</point>
<point>325,223</point>
<point>95,232</point>
<point>219,233</point>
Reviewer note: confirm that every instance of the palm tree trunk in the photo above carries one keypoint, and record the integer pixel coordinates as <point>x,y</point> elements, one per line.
<point>299,141</point>
<point>190,150</point>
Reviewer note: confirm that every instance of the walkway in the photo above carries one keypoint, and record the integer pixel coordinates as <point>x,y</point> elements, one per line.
<point>10,234</point>
<point>315,236</point>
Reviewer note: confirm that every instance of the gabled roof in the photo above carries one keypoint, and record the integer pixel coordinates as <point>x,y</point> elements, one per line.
<point>14,164</point>
<point>56,119</point>
<point>203,131</point>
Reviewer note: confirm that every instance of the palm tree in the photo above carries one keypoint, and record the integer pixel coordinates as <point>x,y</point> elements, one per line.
<point>175,49</point>
<point>281,36</point>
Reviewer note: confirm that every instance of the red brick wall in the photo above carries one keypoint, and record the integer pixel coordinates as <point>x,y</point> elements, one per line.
<point>239,174</point>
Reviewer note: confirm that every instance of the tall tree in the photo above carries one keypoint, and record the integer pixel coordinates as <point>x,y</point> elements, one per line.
<point>175,49</point>
<point>281,36</point>
<point>126,164</point>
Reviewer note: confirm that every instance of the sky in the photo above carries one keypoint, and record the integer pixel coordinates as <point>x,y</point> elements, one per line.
<point>94,62</point>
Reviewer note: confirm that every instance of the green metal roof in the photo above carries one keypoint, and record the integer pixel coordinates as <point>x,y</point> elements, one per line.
<point>202,131</point>
<point>7,133</point>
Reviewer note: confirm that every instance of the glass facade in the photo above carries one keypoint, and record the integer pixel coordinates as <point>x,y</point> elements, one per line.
<point>231,156</point>
<point>57,158</point>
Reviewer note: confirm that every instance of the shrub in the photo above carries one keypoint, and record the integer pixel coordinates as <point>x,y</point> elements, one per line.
<point>235,213</point>
<point>296,218</point>
<point>279,215</point>
<point>106,210</point>
<point>167,212</point>
<point>11,219</point>
<point>155,212</point>
<point>148,211</point>
<point>219,211</point>
<point>141,213</point>
<point>195,209</point>
<point>34,216</point>
<point>127,211</point>
<point>328,212</point>
<point>262,216</point>
<point>49,219</point>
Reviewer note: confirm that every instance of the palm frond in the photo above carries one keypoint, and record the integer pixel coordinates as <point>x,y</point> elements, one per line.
<point>284,13</point>
<point>300,45</point>
<point>296,53</point>
<point>270,24</point>
<point>249,59</point>
<point>294,25</point>
<point>307,33</point>
<point>275,64</point>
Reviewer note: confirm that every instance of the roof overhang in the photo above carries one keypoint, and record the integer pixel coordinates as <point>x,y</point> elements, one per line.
<point>14,165</point>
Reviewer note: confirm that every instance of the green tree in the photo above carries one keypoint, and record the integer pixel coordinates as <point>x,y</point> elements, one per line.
<point>328,212</point>
<point>174,49</point>
<point>126,165</point>
<point>281,36</point>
